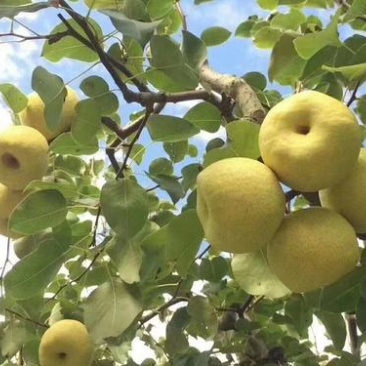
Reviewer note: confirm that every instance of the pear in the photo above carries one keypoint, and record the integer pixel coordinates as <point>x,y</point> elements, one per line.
<point>310,140</point>
<point>9,199</point>
<point>66,343</point>
<point>33,114</point>
<point>313,248</point>
<point>23,156</point>
<point>240,204</point>
<point>348,197</point>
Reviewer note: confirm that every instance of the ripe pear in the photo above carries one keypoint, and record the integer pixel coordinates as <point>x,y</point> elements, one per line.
<point>66,343</point>
<point>33,114</point>
<point>240,204</point>
<point>349,196</point>
<point>310,140</point>
<point>9,199</point>
<point>23,156</point>
<point>313,248</point>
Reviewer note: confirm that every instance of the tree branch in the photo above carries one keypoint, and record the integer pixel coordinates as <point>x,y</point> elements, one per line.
<point>238,89</point>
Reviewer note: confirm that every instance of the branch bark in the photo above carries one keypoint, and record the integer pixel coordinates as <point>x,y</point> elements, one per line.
<point>238,89</point>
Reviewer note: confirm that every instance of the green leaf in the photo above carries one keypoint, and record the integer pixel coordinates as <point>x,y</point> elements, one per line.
<point>52,91</point>
<point>242,141</point>
<point>14,336</point>
<point>335,326</point>
<point>13,8</point>
<point>140,31</point>
<point>205,116</point>
<point>292,20</point>
<point>70,47</point>
<point>286,66</point>
<point>361,314</point>
<point>355,10</point>
<point>38,211</point>
<point>350,73</point>
<point>159,8</point>
<point>161,166</point>
<point>298,312</point>
<point>189,173</point>
<point>266,37</point>
<point>170,184</point>
<point>170,62</point>
<point>176,150</point>
<point>165,128</point>
<point>87,122</point>
<point>125,206</point>
<point>178,241</point>
<point>176,342</point>
<point>343,295</point>
<point>66,144</point>
<point>361,108</point>
<point>244,29</point>
<point>127,256</point>
<point>213,269</point>
<point>34,272</point>
<point>203,319</point>
<point>268,4</point>
<point>194,50</point>
<point>102,309</point>
<point>174,78</point>
<point>93,86</point>
<point>14,98</point>
<point>253,275</point>
<point>309,44</point>
<point>256,80</point>
<point>215,36</point>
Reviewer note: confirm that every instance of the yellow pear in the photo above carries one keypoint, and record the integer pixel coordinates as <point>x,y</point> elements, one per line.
<point>9,199</point>
<point>33,114</point>
<point>240,204</point>
<point>23,156</point>
<point>66,343</point>
<point>313,248</point>
<point>310,140</point>
<point>349,196</point>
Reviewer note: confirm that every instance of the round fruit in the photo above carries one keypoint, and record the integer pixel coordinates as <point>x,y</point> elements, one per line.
<point>33,114</point>
<point>66,343</point>
<point>310,140</point>
<point>23,156</point>
<point>313,248</point>
<point>349,196</point>
<point>240,204</point>
<point>9,199</point>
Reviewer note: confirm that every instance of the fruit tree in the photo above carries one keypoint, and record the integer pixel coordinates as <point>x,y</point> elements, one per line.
<point>175,192</point>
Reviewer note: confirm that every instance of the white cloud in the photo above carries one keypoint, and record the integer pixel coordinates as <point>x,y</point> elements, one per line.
<point>228,13</point>
<point>5,116</point>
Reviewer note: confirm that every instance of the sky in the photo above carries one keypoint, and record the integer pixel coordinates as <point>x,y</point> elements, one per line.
<point>237,56</point>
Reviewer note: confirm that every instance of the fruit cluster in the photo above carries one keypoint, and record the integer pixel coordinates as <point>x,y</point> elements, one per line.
<point>309,142</point>
<point>23,158</point>
<point>24,153</point>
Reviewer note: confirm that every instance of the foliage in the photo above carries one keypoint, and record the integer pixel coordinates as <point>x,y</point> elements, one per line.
<point>124,248</point>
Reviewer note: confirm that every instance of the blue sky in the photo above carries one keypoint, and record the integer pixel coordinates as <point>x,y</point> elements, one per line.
<point>237,56</point>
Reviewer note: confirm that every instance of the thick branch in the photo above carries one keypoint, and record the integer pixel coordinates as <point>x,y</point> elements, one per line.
<point>238,89</point>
